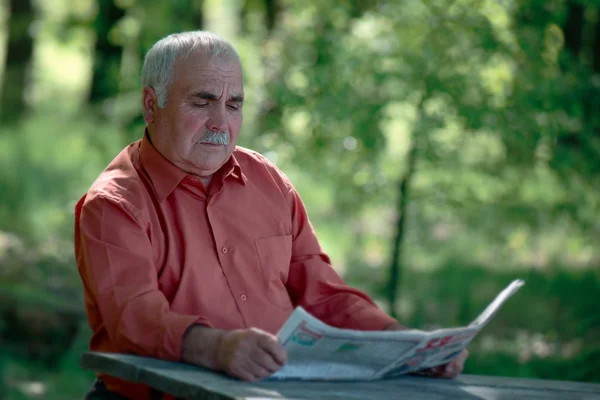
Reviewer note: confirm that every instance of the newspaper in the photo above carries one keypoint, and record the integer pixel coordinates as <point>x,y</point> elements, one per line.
<point>317,351</point>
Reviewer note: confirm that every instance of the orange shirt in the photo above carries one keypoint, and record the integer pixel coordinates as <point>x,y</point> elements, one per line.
<point>157,253</point>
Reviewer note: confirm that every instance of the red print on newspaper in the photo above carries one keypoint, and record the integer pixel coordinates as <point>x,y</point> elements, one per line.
<point>449,340</point>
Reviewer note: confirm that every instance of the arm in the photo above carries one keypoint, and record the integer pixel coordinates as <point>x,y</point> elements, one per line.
<point>115,259</point>
<point>395,326</point>
<point>313,284</point>
<point>248,354</point>
<point>200,346</point>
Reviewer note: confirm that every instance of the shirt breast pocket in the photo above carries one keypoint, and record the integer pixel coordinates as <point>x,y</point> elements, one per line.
<point>275,254</point>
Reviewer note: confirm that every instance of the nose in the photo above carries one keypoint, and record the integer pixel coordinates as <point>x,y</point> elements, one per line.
<point>217,121</point>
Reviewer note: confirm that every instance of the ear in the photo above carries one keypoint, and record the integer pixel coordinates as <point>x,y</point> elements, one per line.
<point>150,104</point>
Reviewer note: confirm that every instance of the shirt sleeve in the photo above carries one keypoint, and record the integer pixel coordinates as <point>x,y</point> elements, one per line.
<point>117,267</point>
<point>314,284</point>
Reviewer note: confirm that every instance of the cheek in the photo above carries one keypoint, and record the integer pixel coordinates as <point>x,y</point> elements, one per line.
<point>235,124</point>
<point>188,129</point>
<point>191,118</point>
<point>234,134</point>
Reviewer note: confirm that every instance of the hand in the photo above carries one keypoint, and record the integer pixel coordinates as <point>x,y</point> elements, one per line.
<point>250,354</point>
<point>450,370</point>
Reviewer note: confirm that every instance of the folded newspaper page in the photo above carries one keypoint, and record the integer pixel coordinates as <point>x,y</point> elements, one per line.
<point>317,351</point>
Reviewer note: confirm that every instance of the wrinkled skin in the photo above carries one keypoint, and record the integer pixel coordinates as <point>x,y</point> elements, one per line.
<point>250,354</point>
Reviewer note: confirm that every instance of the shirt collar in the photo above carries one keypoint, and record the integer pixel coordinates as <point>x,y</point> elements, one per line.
<point>232,168</point>
<point>165,176</point>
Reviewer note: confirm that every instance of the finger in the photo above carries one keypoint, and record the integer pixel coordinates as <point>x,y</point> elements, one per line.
<point>249,371</point>
<point>455,367</point>
<point>451,370</point>
<point>244,375</point>
<point>265,360</point>
<point>442,371</point>
<point>258,371</point>
<point>461,356</point>
<point>272,346</point>
<point>459,362</point>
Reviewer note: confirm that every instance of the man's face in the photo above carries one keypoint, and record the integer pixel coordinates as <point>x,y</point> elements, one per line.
<point>204,105</point>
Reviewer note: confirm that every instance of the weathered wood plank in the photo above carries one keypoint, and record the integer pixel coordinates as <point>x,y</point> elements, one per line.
<point>541,384</point>
<point>152,372</point>
<point>193,382</point>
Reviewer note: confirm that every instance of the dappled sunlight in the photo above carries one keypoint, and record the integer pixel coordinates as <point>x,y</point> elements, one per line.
<point>492,99</point>
<point>525,345</point>
<point>32,389</point>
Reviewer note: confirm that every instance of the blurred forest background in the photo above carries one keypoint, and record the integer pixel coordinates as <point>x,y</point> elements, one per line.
<point>442,147</point>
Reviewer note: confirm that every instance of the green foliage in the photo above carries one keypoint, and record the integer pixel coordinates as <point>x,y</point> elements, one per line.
<point>27,379</point>
<point>548,330</point>
<point>495,96</point>
<point>47,163</point>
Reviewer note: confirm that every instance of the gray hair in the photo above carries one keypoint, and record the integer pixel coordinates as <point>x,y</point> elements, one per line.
<point>158,69</point>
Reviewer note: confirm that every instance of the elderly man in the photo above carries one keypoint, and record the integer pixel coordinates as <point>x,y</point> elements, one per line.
<point>193,249</point>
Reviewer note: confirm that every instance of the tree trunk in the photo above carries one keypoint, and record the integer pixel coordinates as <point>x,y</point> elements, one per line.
<point>573,29</point>
<point>270,9</point>
<point>595,103</point>
<point>573,33</point>
<point>395,275</point>
<point>271,14</point>
<point>18,60</point>
<point>107,57</point>
<point>596,49</point>
<point>402,206</point>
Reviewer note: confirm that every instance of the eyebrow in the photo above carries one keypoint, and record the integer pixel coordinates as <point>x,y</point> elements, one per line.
<point>206,95</point>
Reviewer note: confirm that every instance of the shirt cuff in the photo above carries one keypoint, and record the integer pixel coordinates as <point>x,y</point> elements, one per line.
<point>177,325</point>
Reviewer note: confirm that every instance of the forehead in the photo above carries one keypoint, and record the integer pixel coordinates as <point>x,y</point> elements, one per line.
<point>198,70</point>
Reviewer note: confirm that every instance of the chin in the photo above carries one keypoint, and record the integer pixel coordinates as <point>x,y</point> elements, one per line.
<point>212,164</point>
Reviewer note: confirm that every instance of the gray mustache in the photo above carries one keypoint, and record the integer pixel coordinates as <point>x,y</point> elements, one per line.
<point>216,137</point>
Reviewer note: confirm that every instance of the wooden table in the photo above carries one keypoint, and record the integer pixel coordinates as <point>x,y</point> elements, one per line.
<point>187,381</point>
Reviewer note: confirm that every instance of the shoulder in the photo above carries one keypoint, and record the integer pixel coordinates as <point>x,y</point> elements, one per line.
<point>256,166</point>
<point>120,184</point>
<point>250,157</point>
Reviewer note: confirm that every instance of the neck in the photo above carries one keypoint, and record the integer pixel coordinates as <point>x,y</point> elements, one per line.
<point>205,181</point>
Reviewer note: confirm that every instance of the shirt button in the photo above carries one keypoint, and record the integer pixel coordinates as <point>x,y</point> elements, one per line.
<point>224,250</point>
<point>243,297</point>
